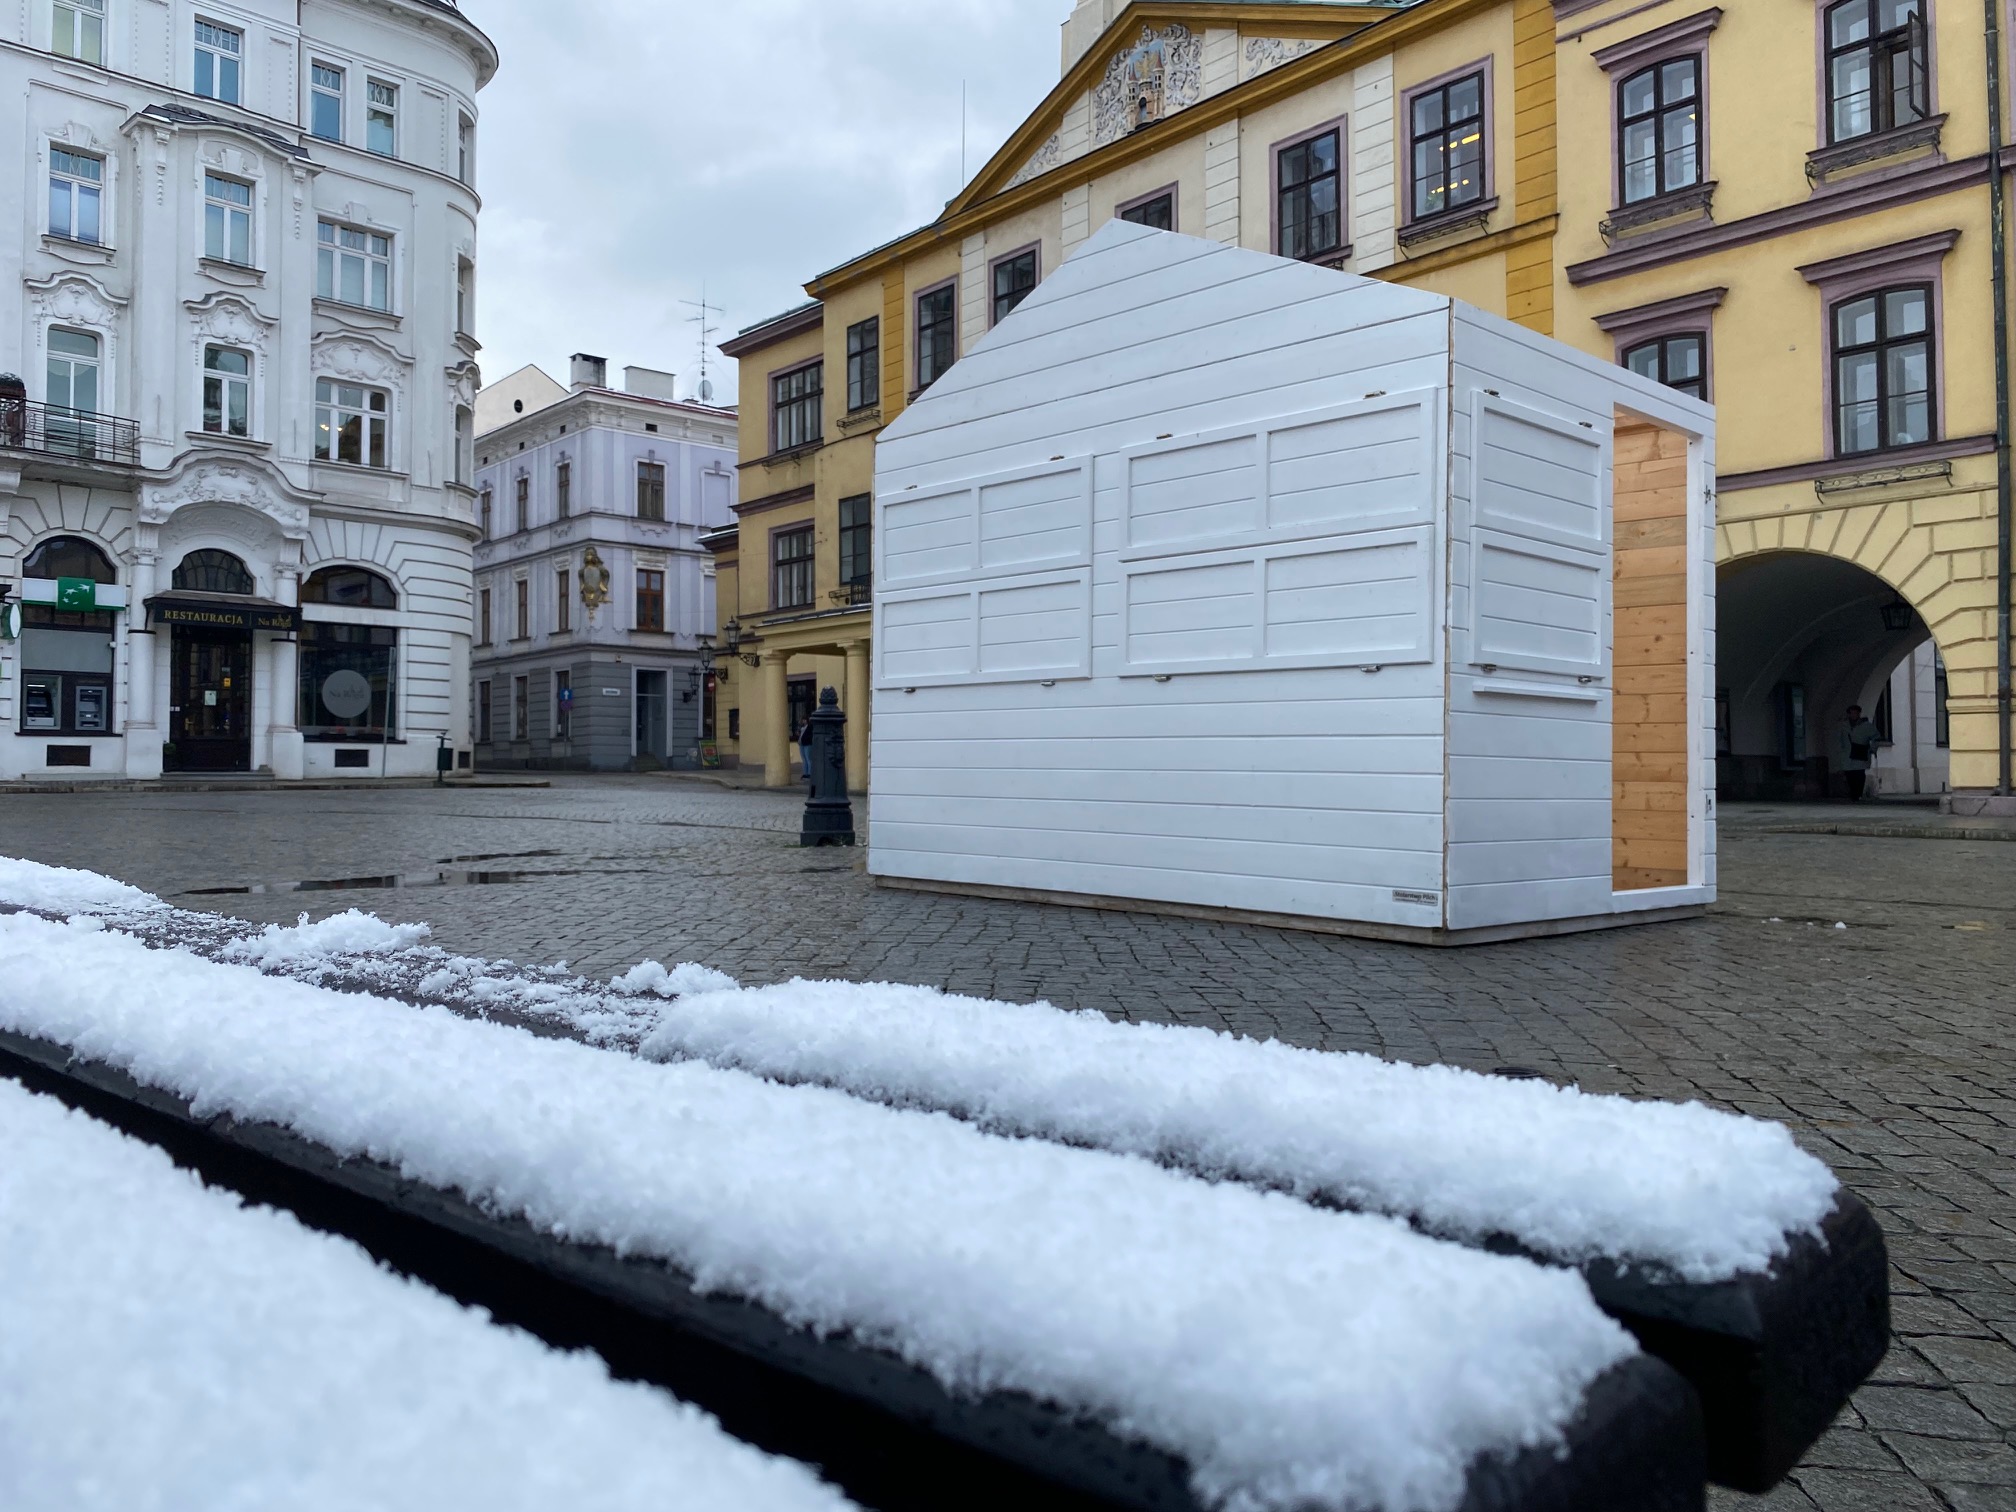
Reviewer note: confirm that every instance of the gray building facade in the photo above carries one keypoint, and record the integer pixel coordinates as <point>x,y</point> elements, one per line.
<point>592,588</point>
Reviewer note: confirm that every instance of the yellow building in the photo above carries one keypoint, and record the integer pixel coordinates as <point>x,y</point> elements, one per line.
<point>1282,127</point>
<point>1811,248</point>
<point>1812,252</point>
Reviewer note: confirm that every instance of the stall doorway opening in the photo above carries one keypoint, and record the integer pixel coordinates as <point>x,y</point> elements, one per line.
<point>209,701</point>
<point>1649,725</point>
<point>1800,637</point>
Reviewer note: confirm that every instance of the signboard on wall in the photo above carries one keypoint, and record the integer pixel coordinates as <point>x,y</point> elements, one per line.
<point>224,615</point>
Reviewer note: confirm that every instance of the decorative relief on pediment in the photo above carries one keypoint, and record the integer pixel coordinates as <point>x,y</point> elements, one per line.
<point>1162,73</point>
<point>463,382</point>
<point>227,318</point>
<point>74,299</point>
<point>1265,53</point>
<point>231,159</point>
<point>359,358</point>
<point>77,134</point>
<point>224,483</point>
<point>1046,157</point>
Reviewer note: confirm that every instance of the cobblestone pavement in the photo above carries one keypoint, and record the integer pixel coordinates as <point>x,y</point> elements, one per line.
<point>1887,1045</point>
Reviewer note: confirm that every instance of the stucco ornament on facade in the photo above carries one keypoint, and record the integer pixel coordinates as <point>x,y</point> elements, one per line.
<point>1264,53</point>
<point>74,299</point>
<point>358,358</point>
<point>227,318</point>
<point>1162,73</point>
<point>224,483</point>
<point>1046,157</point>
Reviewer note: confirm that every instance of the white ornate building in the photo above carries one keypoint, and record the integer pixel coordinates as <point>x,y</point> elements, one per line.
<point>236,468</point>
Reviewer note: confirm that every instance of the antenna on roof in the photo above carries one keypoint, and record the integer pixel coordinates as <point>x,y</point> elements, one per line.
<point>707,333</point>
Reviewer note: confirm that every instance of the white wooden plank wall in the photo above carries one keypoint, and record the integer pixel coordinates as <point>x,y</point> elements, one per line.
<point>1296,783</point>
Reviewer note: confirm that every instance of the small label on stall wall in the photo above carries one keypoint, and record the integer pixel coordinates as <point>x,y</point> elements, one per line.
<point>1425,899</point>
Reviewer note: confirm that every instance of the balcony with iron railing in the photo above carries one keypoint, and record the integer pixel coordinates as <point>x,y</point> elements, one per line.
<point>56,430</point>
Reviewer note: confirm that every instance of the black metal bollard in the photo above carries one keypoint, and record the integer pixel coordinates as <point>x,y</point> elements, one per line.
<point>829,814</point>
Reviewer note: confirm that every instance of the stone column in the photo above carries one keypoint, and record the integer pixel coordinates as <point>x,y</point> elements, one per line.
<point>144,735</point>
<point>775,712</point>
<point>856,702</point>
<point>289,751</point>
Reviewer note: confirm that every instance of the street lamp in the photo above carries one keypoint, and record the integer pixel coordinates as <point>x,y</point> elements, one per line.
<point>735,639</point>
<point>1897,615</point>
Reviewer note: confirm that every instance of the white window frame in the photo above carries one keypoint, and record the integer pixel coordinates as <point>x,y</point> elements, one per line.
<point>374,109</point>
<point>465,296</point>
<point>465,149</point>
<point>331,254</point>
<point>336,407</point>
<point>95,362</point>
<point>226,62</point>
<point>77,188</point>
<point>86,19</point>
<point>226,382</point>
<point>226,208</point>
<point>318,92</point>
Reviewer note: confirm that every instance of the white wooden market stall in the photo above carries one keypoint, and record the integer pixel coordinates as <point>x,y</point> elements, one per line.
<point>1214,581</point>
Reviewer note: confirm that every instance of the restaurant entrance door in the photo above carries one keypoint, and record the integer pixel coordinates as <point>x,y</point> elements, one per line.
<point>209,701</point>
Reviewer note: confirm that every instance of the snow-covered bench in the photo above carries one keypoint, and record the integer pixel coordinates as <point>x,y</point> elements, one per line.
<point>922,1308</point>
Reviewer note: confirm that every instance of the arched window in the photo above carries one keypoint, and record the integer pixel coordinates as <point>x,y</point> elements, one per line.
<point>69,557</point>
<point>213,572</point>
<point>351,588</point>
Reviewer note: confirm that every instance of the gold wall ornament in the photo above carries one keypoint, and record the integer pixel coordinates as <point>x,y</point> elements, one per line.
<point>594,580</point>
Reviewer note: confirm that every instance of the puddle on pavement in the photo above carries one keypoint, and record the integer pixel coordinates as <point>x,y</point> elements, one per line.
<point>374,884</point>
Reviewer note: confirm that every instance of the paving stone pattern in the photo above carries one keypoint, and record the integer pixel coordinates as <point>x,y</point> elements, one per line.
<point>1887,1046</point>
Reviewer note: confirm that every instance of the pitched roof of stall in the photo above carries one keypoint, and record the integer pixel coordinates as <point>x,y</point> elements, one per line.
<point>1121,251</point>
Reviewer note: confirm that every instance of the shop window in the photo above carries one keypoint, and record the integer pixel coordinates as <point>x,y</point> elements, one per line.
<point>67,656</point>
<point>213,572</point>
<point>350,588</point>
<point>348,682</point>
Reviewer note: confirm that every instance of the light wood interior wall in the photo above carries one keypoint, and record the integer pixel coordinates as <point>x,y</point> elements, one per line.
<point>1649,775</point>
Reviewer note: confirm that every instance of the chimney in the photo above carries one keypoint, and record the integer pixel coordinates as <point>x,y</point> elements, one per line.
<point>1087,24</point>
<point>648,383</point>
<point>590,372</point>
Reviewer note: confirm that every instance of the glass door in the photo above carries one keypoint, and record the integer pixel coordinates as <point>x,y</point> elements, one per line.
<point>210,702</point>
<point>653,738</point>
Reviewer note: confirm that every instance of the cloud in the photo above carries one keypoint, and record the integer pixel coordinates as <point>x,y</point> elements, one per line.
<point>632,150</point>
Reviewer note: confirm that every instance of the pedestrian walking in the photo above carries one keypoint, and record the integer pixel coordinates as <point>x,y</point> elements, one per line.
<point>1855,750</point>
<point>805,747</point>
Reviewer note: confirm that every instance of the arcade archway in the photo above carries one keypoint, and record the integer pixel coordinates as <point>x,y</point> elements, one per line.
<point>1800,637</point>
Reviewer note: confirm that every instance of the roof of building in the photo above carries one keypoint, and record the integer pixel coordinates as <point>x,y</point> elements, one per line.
<point>752,338</point>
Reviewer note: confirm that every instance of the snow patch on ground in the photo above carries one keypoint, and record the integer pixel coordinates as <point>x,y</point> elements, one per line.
<point>163,1346</point>
<point>652,978</point>
<point>1293,1357</point>
<point>1570,1174</point>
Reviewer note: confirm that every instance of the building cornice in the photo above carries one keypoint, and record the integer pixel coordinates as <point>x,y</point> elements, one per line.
<point>778,328</point>
<point>1825,206</point>
<point>1392,30</point>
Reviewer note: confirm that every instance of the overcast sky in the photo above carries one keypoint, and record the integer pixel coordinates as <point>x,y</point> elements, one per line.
<point>632,149</point>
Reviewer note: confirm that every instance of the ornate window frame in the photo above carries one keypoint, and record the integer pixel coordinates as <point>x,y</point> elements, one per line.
<point>1829,157</point>
<point>1687,37</point>
<point>1683,315</point>
<point>1921,260</point>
